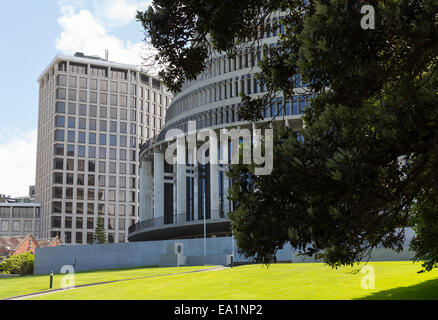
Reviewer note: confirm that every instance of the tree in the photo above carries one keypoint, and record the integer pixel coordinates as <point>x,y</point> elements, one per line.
<point>366,163</point>
<point>99,236</point>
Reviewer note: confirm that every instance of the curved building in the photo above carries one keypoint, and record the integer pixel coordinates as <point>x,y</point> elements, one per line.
<point>175,199</point>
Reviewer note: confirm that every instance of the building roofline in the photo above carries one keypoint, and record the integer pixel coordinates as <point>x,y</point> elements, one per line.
<point>15,204</point>
<point>97,62</point>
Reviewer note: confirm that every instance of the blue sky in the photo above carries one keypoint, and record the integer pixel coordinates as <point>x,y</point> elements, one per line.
<point>32,33</point>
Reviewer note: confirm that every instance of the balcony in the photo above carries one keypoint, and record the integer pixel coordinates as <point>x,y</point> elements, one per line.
<point>179,227</point>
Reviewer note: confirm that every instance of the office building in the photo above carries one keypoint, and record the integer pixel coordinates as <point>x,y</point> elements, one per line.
<point>93,115</point>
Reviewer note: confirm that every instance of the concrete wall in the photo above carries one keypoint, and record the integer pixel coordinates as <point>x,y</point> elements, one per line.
<point>137,254</point>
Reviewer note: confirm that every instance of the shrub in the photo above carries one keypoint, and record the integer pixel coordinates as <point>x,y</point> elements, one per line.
<point>18,264</point>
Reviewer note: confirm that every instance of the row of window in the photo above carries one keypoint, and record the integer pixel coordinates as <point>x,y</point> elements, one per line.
<point>89,223</point>
<point>80,238</point>
<point>92,181</point>
<point>93,166</point>
<point>88,208</point>
<point>101,151</point>
<point>68,179</point>
<point>19,212</point>
<point>17,226</point>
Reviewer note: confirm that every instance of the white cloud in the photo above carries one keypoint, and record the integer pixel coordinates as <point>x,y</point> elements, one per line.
<point>84,32</point>
<point>17,161</point>
<point>120,12</point>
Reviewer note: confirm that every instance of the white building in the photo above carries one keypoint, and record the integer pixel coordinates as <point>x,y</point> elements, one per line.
<point>175,199</point>
<point>19,219</point>
<point>93,115</point>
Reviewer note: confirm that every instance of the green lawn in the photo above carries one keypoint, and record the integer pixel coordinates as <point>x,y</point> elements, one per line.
<point>31,284</point>
<point>393,280</point>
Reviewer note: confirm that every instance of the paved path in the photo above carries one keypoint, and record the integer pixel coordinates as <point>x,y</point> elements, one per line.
<point>43,293</point>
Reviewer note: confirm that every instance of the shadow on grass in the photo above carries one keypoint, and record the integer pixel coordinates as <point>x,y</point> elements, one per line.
<point>427,290</point>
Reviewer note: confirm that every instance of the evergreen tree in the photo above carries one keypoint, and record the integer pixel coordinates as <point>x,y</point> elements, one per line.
<point>99,236</point>
<point>366,163</point>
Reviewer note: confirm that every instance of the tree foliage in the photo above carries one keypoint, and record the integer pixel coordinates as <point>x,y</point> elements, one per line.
<point>366,163</point>
<point>99,236</point>
<point>22,263</point>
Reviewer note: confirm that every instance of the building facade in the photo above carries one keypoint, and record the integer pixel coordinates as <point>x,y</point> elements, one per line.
<point>175,199</point>
<point>93,115</point>
<point>19,219</point>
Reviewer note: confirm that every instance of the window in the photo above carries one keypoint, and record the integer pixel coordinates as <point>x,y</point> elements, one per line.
<point>82,123</point>
<point>61,93</point>
<point>59,135</point>
<point>102,140</point>
<point>91,183</point>
<point>92,138</point>
<point>83,83</point>
<point>92,124</point>
<point>58,164</point>
<point>60,107</point>
<point>56,222</point>
<point>102,126</point>
<point>112,181</point>
<point>60,121</point>
<point>5,226</point>
<point>92,152</point>
<point>56,207</point>
<point>57,178</point>
<point>103,85</point>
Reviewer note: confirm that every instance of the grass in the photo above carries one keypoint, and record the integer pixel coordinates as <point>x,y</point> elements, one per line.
<point>11,287</point>
<point>393,280</point>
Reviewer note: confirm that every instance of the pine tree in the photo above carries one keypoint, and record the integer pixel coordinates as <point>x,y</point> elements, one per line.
<point>99,236</point>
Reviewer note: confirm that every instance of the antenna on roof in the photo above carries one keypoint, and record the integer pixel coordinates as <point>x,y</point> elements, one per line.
<point>106,54</point>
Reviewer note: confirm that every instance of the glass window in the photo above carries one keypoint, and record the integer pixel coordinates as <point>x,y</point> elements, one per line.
<point>82,110</point>
<point>102,153</point>
<point>102,126</point>
<point>56,222</point>
<point>70,164</point>
<point>72,108</point>
<point>93,111</point>
<point>83,83</point>
<point>122,225</point>
<point>90,191</point>
<point>102,139</point>
<point>58,164</point>
<point>71,123</point>
<point>91,166</point>
<point>5,226</point>
<point>57,178</point>
<point>91,183</point>
<point>60,107</point>
<point>103,98</point>
<point>103,112</point>
<point>103,85</point>
<point>113,140</point>
<point>92,138</point>
<point>83,96</point>
<point>56,207</point>
<point>92,152</point>
<point>81,151</point>
<point>59,135</point>
<point>71,136</point>
<point>92,123</point>
<point>60,121</point>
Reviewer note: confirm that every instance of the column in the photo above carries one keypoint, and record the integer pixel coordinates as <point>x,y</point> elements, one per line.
<point>214,178</point>
<point>158,184</point>
<point>146,190</point>
<point>181,183</point>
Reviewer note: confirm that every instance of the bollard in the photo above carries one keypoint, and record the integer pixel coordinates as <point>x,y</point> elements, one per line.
<point>232,261</point>
<point>51,280</point>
